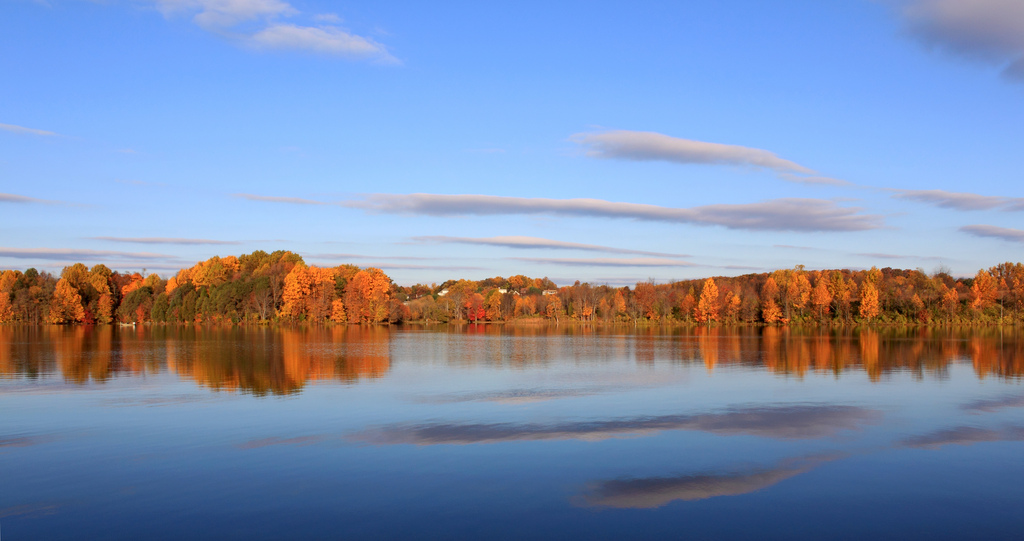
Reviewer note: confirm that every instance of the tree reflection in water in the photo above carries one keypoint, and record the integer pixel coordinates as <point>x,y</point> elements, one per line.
<point>283,360</point>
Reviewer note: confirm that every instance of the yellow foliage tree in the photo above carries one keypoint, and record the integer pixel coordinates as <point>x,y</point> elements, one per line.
<point>869,307</point>
<point>821,298</point>
<point>338,311</point>
<point>66,306</point>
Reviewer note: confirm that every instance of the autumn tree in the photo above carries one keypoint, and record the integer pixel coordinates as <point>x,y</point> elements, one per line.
<point>297,284</point>
<point>707,306</point>
<point>474,306</point>
<point>526,305</point>
<point>732,307</point>
<point>869,308</point>
<point>821,297</point>
<point>7,280</point>
<point>367,296</point>
<point>66,306</point>
<point>770,311</point>
<point>647,298</point>
<point>688,305</point>
<point>842,293</point>
<point>983,291</point>
<point>951,301</point>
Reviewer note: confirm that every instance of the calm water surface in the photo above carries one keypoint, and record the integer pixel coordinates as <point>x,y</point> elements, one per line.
<point>514,433</point>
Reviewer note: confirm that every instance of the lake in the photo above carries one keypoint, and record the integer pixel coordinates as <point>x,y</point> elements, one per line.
<point>510,433</point>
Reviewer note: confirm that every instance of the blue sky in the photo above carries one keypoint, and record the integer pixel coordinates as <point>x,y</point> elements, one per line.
<point>605,142</point>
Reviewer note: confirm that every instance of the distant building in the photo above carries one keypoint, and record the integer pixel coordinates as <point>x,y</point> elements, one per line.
<point>550,292</point>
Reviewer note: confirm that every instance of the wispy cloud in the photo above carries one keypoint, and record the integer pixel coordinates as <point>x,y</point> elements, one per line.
<point>895,256</point>
<point>962,201</point>
<point>361,256</point>
<point>27,131</point>
<point>608,262</point>
<point>794,214</point>
<point>67,254</point>
<point>782,422</point>
<point>814,179</point>
<point>272,199</point>
<point>235,19</point>
<point>649,146</point>
<point>1004,233</point>
<point>652,146</point>
<point>321,39</point>
<point>989,30</point>
<point>163,240</point>
<point>401,266</point>
<point>14,198</point>
<point>537,243</point>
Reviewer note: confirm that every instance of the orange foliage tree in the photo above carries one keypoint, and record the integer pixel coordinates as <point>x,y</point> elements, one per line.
<point>66,306</point>
<point>770,311</point>
<point>367,295</point>
<point>707,306</point>
<point>984,290</point>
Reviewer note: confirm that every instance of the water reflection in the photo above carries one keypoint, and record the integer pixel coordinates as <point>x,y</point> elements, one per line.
<point>256,360</point>
<point>782,422</point>
<point>283,360</point>
<point>652,492</point>
<point>995,404</point>
<point>964,435</point>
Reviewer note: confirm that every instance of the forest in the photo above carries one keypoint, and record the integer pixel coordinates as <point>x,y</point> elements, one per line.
<point>280,288</point>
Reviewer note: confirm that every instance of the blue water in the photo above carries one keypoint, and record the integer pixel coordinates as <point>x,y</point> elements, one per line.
<point>510,433</point>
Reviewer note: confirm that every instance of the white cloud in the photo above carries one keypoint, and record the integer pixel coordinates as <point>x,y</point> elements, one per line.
<point>990,30</point>
<point>651,146</point>
<point>1004,233</point>
<point>962,201</point>
<point>535,242</point>
<point>28,131</point>
<point>215,14</point>
<point>774,215</point>
<point>256,24</point>
<point>322,39</point>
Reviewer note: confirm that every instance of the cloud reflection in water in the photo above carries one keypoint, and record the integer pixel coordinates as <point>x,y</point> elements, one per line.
<point>804,421</point>
<point>963,435</point>
<point>652,492</point>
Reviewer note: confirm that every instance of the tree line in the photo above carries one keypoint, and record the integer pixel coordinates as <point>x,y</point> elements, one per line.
<point>279,287</point>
